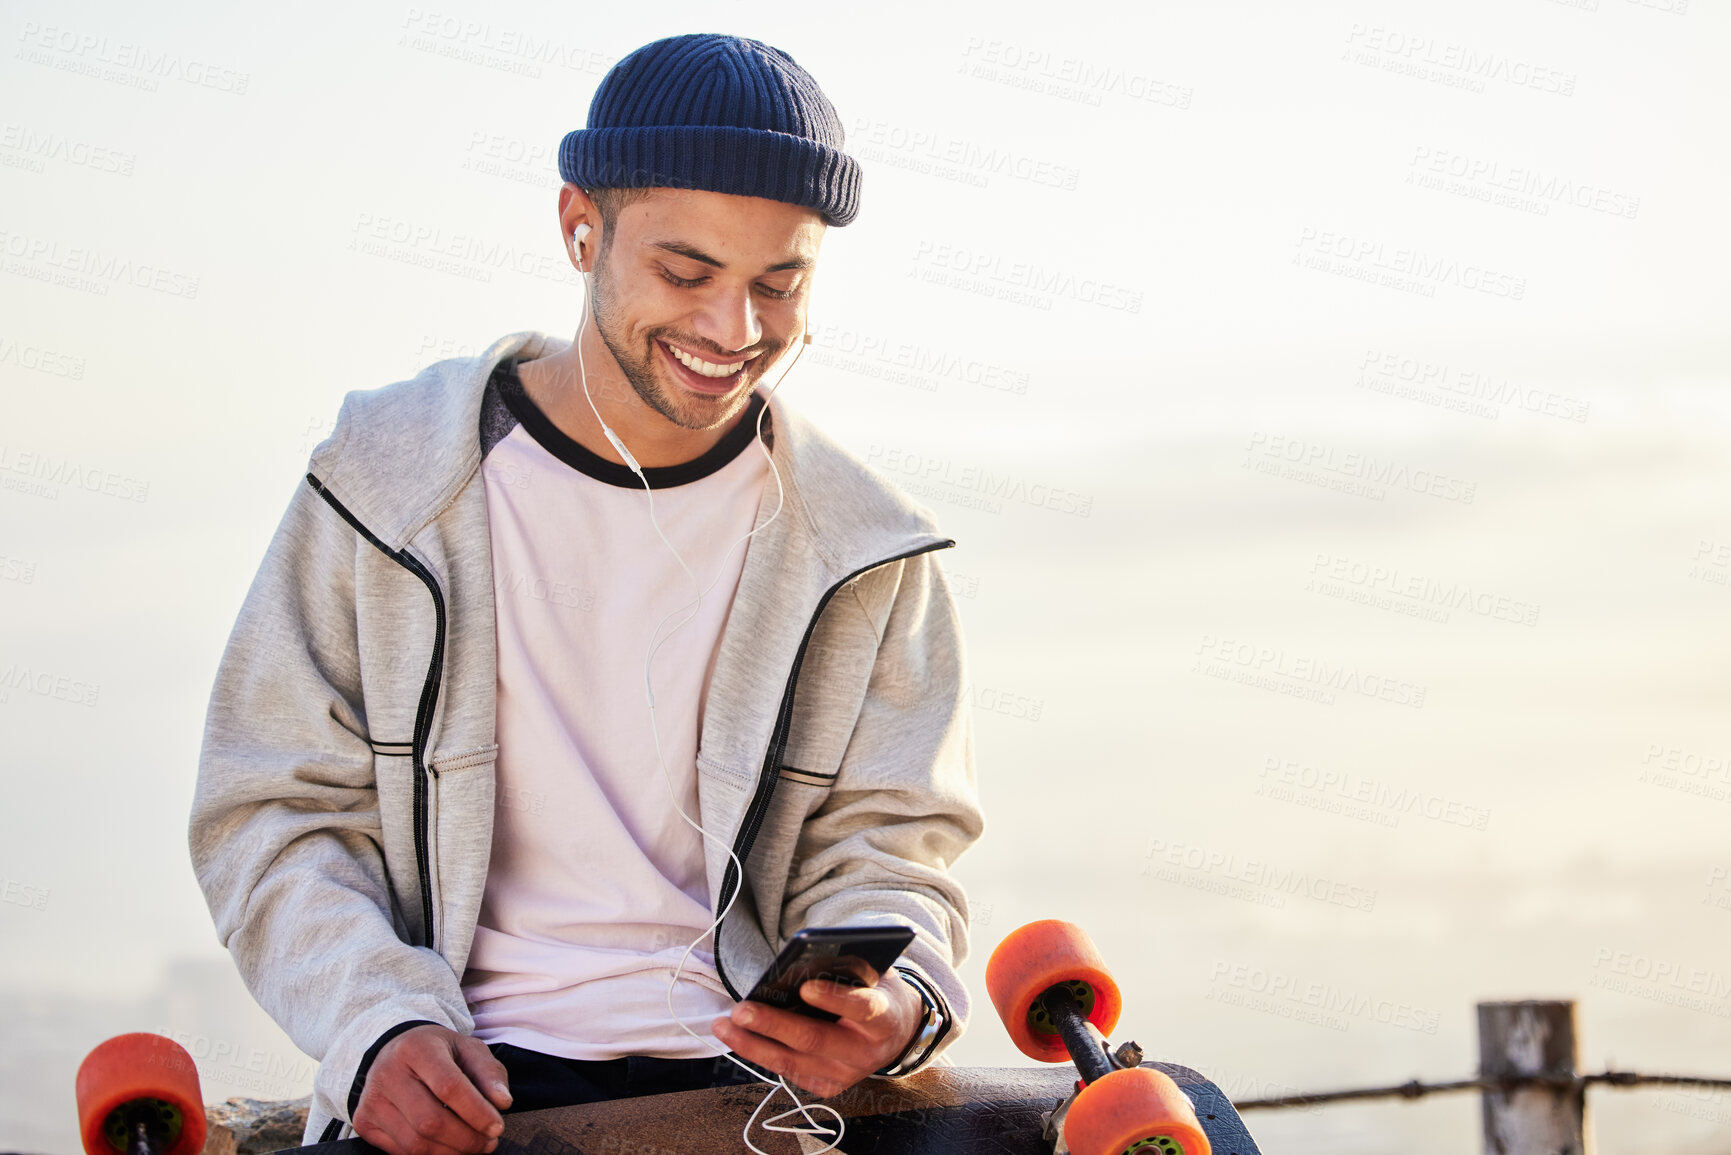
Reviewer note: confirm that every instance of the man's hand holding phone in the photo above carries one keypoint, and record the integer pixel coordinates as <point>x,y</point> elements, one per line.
<point>876,1025</point>
<point>841,974</point>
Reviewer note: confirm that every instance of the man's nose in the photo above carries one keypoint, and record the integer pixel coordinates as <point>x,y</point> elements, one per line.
<point>730,320</point>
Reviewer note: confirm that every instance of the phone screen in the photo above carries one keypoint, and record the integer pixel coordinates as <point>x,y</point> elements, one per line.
<point>855,956</point>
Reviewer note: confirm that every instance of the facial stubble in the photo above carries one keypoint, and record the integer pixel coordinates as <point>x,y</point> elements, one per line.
<point>639,370</point>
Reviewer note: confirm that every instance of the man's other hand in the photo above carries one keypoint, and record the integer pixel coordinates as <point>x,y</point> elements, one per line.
<point>421,1095</point>
<point>877,1025</point>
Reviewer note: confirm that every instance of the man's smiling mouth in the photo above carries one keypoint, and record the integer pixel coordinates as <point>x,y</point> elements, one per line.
<point>706,368</point>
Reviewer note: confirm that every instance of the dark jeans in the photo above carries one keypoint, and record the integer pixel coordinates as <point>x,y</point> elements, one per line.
<point>538,1081</point>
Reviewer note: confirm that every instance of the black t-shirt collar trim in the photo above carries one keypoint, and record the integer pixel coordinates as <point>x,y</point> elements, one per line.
<point>591,464</point>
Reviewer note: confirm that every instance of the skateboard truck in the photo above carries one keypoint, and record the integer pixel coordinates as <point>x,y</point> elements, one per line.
<point>1092,1054</point>
<point>1057,1000</point>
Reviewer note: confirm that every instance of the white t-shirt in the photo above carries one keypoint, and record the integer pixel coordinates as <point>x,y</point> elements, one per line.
<point>596,885</point>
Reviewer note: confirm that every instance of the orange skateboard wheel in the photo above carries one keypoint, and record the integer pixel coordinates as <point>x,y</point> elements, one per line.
<point>1031,960</point>
<point>153,1076</point>
<point>1134,1111</point>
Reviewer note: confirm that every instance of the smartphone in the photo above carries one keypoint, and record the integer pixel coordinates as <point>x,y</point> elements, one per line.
<point>855,956</point>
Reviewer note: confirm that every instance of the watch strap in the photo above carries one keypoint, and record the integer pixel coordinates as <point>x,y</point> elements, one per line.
<point>933,1027</point>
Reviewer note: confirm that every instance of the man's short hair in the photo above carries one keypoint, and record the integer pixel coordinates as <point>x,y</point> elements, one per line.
<point>611,202</point>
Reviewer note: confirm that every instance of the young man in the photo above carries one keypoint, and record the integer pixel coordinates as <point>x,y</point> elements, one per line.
<point>437,823</point>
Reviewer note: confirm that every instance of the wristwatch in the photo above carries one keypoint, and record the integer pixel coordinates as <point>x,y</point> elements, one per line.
<point>933,1026</point>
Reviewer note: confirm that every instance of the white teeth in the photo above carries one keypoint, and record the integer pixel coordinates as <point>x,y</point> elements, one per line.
<point>698,365</point>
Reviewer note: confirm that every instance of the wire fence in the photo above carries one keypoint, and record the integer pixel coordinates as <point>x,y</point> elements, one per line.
<point>1534,1099</point>
<point>1414,1089</point>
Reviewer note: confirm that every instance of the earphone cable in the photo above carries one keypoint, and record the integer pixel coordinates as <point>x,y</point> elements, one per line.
<point>774,1122</point>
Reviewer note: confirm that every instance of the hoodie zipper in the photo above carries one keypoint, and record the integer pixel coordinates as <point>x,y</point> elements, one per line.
<point>769,775</point>
<point>424,711</point>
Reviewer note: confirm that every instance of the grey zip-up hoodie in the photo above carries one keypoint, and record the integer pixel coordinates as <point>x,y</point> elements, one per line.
<point>343,815</point>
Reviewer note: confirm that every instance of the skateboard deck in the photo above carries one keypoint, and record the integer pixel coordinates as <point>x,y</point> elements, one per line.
<point>939,1111</point>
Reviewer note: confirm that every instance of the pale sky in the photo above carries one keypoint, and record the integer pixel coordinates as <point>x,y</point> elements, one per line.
<point>1329,400</point>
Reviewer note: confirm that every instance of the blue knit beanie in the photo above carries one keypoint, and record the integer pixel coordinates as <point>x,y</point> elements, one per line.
<point>719,113</point>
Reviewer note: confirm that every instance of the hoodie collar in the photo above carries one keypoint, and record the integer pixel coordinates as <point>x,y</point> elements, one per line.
<point>399,455</point>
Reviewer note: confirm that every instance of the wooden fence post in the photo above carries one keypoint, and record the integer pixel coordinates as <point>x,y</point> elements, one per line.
<point>1532,1038</point>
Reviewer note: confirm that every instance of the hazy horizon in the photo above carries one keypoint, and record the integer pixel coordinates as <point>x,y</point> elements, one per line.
<point>1330,406</point>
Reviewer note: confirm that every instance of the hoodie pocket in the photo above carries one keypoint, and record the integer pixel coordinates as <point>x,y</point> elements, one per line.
<point>466,759</point>
<point>461,830</point>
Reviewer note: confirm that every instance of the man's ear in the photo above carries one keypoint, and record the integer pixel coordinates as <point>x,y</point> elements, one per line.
<point>579,226</point>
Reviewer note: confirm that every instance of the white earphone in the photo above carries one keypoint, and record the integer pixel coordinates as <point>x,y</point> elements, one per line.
<point>577,235</point>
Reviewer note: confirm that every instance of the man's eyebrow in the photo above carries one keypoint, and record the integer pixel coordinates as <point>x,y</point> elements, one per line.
<point>694,253</point>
